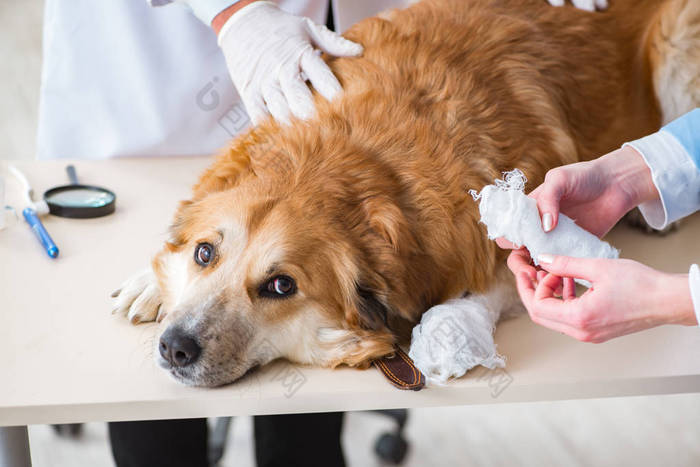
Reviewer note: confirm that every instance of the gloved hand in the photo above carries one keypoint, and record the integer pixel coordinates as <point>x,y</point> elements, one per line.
<point>267,50</point>
<point>589,5</point>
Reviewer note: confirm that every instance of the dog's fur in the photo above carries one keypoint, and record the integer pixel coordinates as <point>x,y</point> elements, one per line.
<point>366,204</point>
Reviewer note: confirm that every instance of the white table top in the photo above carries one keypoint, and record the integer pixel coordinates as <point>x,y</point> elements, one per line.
<point>65,358</point>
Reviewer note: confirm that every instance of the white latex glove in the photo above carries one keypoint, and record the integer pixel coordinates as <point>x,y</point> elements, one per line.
<point>588,5</point>
<point>267,50</point>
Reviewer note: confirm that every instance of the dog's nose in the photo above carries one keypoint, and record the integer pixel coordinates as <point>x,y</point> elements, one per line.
<point>178,348</point>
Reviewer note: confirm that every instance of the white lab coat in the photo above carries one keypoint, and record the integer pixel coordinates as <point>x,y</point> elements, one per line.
<point>123,79</point>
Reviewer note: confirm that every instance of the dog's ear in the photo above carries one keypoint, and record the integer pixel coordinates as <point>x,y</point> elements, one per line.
<point>231,164</point>
<point>372,313</point>
<point>361,335</point>
<point>178,227</point>
<point>385,218</point>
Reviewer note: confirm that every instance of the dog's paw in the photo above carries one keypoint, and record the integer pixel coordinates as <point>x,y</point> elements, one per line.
<point>139,298</point>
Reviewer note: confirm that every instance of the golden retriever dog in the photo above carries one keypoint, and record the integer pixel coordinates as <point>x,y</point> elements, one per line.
<point>326,240</point>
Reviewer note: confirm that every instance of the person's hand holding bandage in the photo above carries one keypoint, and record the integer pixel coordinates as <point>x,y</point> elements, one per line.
<point>596,193</point>
<point>625,296</point>
<point>270,53</point>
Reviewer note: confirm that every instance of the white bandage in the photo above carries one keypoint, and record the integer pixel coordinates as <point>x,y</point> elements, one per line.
<point>509,213</point>
<point>454,337</point>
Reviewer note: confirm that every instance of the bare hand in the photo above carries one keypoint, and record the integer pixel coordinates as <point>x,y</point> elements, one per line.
<point>595,194</point>
<point>626,296</point>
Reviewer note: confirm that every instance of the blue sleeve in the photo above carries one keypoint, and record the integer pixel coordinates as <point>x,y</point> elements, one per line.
<point>686,129</point>
<point>673,157</point>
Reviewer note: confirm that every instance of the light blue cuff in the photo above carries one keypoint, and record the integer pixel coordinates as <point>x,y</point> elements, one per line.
<point>675,176</point>
<point>205,10</point>
<point>686,129</point>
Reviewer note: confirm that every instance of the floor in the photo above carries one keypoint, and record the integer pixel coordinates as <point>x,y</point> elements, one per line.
<point>641,431</point>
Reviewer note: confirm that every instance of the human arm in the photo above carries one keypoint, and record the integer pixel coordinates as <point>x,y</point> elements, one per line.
<point>220,19</point>
<point>270,54</point>
<point>282,48</point>
<point>625,296</point>
<point>207,10</point>
<point>597,193</point>
<point>660,174</point>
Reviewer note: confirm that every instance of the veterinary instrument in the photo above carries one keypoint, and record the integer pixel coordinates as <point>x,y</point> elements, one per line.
<point>31,214</point>
<point>79,201</point>
<point>40,231</point>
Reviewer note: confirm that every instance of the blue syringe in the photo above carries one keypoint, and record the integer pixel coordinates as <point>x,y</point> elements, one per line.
<point>41,233</point>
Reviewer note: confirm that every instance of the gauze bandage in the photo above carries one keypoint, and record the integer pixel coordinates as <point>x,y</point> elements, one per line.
<point>509,213</point>
<point>456,336</point>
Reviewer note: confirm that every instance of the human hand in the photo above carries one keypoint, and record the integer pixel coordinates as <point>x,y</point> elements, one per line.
<point>267,50</point>
<point>589,5</point>
<point>625,296</point>
<point>595,194</point>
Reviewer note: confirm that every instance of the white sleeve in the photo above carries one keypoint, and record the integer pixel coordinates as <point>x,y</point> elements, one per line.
<point>694,284</point>
<point>675,176</point>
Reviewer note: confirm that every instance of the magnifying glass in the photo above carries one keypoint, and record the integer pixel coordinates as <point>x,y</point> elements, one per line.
<point>79,201</point>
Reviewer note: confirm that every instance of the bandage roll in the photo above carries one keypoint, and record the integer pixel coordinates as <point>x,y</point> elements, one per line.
<point>507,212</point>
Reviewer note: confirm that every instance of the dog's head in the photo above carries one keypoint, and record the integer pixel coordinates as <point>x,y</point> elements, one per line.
<point>271,269</point>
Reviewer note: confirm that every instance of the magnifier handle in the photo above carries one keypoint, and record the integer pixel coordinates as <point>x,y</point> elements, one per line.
<point>72,175</point>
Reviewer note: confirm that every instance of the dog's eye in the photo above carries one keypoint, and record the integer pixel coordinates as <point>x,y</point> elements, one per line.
<point>203,254</point>
<point>280,286</point>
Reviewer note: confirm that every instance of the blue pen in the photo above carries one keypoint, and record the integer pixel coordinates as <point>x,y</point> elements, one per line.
<point>41,233</point>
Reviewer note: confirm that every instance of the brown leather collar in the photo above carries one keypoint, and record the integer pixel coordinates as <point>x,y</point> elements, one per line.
<point>400,371</point>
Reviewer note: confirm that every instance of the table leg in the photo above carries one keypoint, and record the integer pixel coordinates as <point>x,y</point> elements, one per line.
<point>14,447</point>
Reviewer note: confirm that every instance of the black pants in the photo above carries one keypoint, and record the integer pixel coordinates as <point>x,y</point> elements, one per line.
<point>300,440</point>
